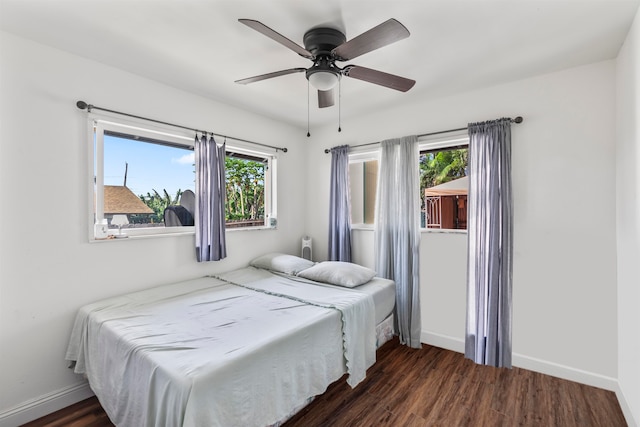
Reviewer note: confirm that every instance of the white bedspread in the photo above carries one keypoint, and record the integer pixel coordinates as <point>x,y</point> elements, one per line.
<point>208,353</point>
<point>357,309</point>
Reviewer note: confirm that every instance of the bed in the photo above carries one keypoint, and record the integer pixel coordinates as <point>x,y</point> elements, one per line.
<point>248,347</point>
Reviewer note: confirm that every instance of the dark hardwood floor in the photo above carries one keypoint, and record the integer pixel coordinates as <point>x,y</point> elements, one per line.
<point>429,387</point>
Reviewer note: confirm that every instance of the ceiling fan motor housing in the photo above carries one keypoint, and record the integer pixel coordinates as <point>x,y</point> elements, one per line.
<point>320,42</point>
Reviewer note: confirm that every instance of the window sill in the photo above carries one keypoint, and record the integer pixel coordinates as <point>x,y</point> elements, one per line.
<point>172,234</point>
<point>369,227</point>
<point>362,227</point>
<point>141,237</point>
<point>442,231</point>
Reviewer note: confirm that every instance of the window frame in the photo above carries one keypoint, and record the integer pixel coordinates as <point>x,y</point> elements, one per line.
<point>98,124</point>
<point>270,175</point>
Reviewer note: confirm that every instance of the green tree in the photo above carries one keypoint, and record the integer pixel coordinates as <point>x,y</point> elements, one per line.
<point>158,203</point>
<point>442,166</point>
<point>245,189</point>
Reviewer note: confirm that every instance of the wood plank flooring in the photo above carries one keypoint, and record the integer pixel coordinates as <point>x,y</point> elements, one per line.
<point>429,387</point>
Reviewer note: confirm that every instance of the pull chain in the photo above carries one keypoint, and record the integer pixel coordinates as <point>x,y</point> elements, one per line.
<point>339,104</point>
<point>308,108</point>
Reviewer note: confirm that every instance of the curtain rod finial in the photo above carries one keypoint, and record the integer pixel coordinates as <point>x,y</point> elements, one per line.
<point>518,119</point>
<point>81,105</point>
<point>326,150</point>
<point>284,150</point>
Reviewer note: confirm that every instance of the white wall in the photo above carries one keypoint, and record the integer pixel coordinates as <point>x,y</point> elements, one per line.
<point>564,279</point>
<point>628,222</point>
<point>47,267</point>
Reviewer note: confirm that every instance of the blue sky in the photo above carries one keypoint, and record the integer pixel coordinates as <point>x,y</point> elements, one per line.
<point>151,166</point>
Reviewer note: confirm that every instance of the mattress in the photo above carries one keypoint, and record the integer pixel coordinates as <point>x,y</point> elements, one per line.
<point>243,348</point>
<point>383,291</point>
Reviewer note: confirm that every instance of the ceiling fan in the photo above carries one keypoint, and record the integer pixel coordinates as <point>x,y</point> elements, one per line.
<point>324,46</point>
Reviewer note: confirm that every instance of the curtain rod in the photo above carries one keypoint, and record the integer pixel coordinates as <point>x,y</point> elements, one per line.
<point>518,119</point>
<point>83,105</point>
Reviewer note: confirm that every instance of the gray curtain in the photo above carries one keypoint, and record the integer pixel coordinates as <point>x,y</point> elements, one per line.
<point>339,206</point>
<point>490,244</point>
<point>397,232</point>
<point>210,199</point>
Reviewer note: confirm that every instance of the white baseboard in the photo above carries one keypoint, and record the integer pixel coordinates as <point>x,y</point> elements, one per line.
<point>442,341</point>
<point>626,409</point>
<point>530,363</point>
<point>44,405</point>
<point>565,372</point>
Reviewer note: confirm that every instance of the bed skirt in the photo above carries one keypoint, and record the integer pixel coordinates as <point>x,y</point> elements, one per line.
<point>384,331</point>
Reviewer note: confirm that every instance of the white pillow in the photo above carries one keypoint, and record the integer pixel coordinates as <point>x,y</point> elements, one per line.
<point>283,263</point>
<point>338,273</point>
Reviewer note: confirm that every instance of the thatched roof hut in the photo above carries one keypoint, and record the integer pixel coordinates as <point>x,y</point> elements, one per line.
<point>118,199</point>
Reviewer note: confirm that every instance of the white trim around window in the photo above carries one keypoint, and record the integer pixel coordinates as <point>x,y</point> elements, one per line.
<point>99,124</point>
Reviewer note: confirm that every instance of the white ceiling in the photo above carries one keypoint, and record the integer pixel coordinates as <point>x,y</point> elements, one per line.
<point>199,46</point>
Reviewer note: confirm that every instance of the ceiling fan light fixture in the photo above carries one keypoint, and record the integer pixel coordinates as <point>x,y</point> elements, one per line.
<point>323,80</point>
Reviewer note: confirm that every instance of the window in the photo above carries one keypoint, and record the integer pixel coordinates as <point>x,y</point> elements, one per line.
<point>363,185</point>
<point>246,200</point>
<point>144,182</point>
<point>443,167</point>
<point>444,187</point>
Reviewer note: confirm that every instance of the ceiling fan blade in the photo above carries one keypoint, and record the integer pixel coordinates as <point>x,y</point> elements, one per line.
<point>384,34</point>
<point>261,28</point>
<point>378,77</point>
<point>325,98</point>
<point>270,75</point>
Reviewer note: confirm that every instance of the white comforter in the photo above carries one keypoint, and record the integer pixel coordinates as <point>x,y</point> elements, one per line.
<point>205,352</point>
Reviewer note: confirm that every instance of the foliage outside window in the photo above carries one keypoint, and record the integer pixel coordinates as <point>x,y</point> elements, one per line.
<point>139,173</point>
<point>158,203</point>
<point>440,166</point>
<point>245,203</point>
